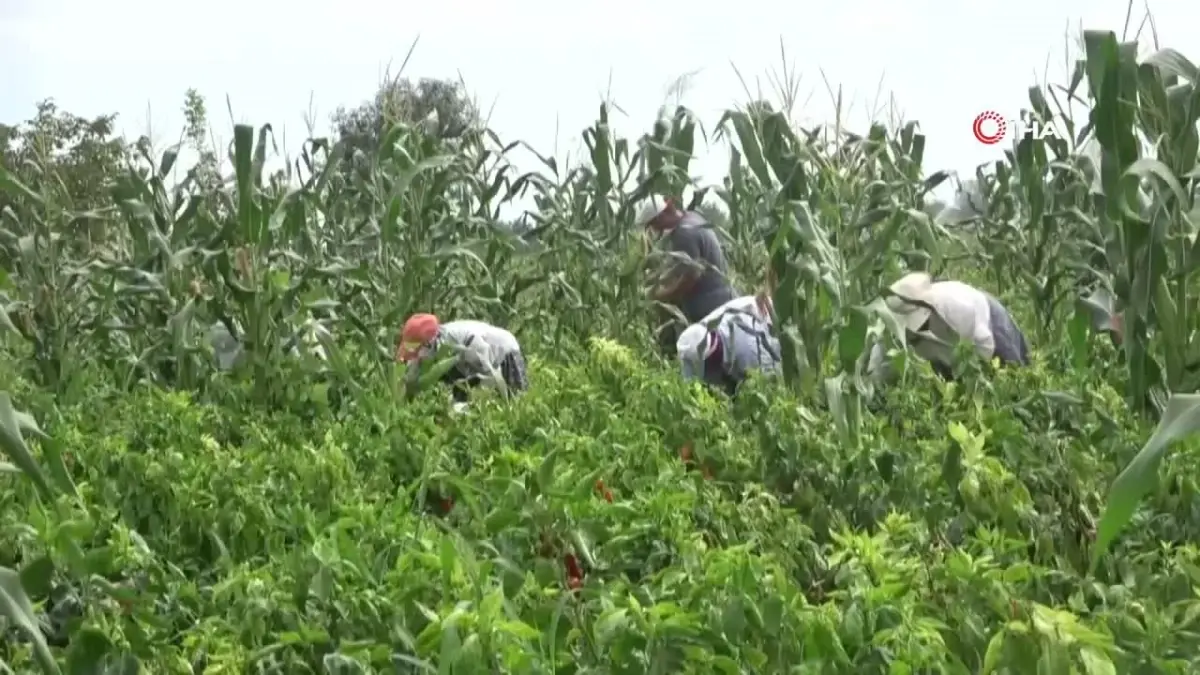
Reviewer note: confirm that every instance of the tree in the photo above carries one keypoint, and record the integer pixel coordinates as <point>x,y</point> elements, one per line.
<point>81,153</point>
<point>197,136</point>
<point>400,100</point>
<point>70,161</point>
<point>439,109</point>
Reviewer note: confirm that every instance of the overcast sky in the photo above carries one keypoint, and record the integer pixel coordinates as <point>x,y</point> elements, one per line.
<point>548,64</point>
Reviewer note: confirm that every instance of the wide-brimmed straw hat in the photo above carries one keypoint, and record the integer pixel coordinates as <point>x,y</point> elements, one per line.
<point>911,301</point>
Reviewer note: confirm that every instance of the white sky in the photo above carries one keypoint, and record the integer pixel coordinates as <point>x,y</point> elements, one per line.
<point>546,64</point>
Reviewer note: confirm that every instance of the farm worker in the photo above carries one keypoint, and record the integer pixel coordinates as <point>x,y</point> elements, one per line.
<point>695,283</point>
<point>937,314</point>
<point>487,355</point>
<point>722,354</point>
<point>1117,332</point>
<point>228,349</point>
<point>1105,317</point>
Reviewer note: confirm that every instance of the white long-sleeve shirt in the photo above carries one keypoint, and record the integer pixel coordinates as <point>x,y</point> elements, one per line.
<point>480,347</point>
<point>962,312</point>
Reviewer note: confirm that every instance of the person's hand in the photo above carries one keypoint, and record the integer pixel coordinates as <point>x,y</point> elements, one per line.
<point>410,388</point>
<point>668,291</point>
<point>497,381</point>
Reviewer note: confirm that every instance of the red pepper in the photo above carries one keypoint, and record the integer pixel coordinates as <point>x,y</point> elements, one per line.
<point>447,504</point>
<point>573,569</point>
<point>603,491</point>
<point>574,583</point>
<point>685,453</point>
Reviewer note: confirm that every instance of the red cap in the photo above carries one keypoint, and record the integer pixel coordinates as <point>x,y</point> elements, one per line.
<point>417,332</point>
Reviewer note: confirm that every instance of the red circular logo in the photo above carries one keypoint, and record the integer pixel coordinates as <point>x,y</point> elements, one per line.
<point>989,127</point>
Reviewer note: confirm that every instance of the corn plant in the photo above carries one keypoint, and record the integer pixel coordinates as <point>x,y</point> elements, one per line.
<point>1035,233</point>
<point>1151,243</point>
<point>53,304</point>
<point>835,206</point>
<point>15,606</point>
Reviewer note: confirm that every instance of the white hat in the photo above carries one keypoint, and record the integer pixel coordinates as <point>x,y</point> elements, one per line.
<point>916,286</point>
<point>695,343</point>
<point>653,207</point>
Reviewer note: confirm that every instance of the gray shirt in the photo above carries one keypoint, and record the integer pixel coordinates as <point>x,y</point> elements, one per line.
<point>695,239</point>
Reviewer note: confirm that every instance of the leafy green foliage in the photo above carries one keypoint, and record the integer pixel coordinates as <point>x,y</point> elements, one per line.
<point>241,538</point>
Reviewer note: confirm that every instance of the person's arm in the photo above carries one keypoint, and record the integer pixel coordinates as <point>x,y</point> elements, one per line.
<point>681,281</point>
<point>683,273</point>
<point>981,334</point>
<point>765,306</point>
<point>879,367</point>
<point>689,369</point>
<point>412,375</point>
